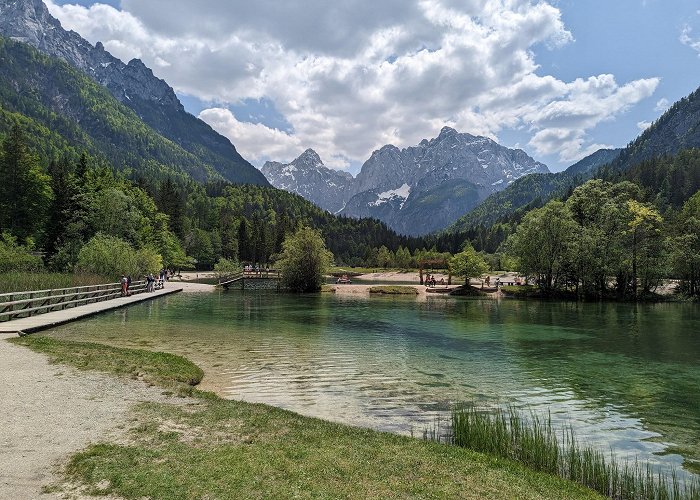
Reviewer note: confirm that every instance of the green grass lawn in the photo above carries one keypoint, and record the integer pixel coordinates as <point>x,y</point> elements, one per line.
<point>215,448</point>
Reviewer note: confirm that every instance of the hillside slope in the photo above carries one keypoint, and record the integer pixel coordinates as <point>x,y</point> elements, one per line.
<point>533,189</point>
<point>61,107</point>
<point>132,84</point>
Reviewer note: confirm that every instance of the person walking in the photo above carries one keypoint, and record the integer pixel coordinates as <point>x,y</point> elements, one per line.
<point>124,285</point>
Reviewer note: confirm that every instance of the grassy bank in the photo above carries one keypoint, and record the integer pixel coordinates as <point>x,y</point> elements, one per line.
<point>168,371</point>
<point>214,448</point>
<point>21,282</point>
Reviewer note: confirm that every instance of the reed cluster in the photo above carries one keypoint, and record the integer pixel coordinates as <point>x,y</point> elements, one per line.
<point>532,441</point>
<point>24,281</point>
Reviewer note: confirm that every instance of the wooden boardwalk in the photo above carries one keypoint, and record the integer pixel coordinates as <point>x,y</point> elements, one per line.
<point>44,321</point>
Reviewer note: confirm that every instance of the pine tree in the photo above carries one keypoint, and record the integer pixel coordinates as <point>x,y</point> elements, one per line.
<point>25,190</point>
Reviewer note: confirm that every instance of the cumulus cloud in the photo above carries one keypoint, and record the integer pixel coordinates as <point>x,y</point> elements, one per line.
<point>279,144</point>
<point>352,76</point>
<point>562,123</point>
<point>643,125</point>
<point>662,105</point>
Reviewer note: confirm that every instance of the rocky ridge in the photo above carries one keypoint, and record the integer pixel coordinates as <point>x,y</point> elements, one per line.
<point>133,84</point>
<point>415,190</point>
<point>307,176</point>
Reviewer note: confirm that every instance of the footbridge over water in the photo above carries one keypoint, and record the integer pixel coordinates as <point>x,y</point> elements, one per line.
<point>265,279</point>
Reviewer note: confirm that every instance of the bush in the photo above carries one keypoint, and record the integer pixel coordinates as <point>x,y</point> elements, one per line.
<point>111,256</point>
<point>226,266</point>
<point>14,257</point>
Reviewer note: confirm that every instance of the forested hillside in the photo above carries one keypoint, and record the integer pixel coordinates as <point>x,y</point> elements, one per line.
<point>64,111</point>
<point>531,191</point>
<point>666,182</point>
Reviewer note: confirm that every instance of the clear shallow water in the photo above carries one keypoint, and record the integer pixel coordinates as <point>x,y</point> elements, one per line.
<point>627,377</point>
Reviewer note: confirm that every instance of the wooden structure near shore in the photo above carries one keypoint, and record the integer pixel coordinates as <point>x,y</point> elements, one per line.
<point>264,279</point>
<point>25,304</point>
<point>92,302</point>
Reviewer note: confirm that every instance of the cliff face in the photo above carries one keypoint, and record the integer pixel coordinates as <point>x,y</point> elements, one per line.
<point>133,84</point>
<point>307,176</point>
<point>415,190</point>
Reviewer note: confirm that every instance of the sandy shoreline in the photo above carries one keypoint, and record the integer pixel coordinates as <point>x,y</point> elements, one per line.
<point>52,411</point>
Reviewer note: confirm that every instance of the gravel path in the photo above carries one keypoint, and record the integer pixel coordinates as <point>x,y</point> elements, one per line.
<point>48,412</point>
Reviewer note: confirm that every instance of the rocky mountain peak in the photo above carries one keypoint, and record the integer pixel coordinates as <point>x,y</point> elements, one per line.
<point>309,157</point>
<point>447,132</point>
<point>307,176</point>
<point>29,21</point>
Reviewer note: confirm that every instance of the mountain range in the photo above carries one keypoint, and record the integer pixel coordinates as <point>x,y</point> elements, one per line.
<point>415,190</point>
<point>151,99</point>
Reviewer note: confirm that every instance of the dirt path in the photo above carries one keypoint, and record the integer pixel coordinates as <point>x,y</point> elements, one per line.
<point>48,412</point>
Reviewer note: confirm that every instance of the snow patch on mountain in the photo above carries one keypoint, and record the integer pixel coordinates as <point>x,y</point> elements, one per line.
<point>401,192</point>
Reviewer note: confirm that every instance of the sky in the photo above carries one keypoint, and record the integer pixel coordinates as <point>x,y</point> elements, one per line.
<point>556,78</point>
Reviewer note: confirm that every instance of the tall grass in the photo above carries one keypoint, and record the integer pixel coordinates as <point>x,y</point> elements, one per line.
<point>534,442</point>
<point>23,281</point>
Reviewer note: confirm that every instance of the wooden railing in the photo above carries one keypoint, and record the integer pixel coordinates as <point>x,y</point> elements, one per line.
<point>23,304</point>
<point>270,274</point>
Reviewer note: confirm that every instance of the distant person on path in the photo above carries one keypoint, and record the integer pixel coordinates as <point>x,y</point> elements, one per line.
<point>149,282</point>
<point>124,284</point>
<point>128,285</point>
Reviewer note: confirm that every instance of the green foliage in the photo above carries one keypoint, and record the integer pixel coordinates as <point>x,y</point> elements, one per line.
<point>543,241</point>
<point>468,264</point>
<point>226,266</point>
<point>602,233</point>
<point>534,442</point>
<point>304,261</point>
<point>25,190</point>
<point>111,256</point>
<point>22,281</point>
<point>684,247</point>
<point>14,257</point>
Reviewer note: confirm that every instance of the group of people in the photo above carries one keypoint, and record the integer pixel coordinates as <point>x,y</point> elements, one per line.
<point>431,281</point>
<point>152,283</point>
<point>257,268</point>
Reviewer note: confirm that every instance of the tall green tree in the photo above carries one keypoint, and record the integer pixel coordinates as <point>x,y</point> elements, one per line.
<point>684,247</point>
<point>645,245</point>
<point>543,243</point>
<point>468,264</point>
<point>25,190</point>
<point>304,261</point>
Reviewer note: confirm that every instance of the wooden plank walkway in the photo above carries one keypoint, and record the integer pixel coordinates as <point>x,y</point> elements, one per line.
<point>44,321</point>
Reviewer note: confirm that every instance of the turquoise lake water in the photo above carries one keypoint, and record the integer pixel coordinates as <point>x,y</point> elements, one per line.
<point>626,377</point>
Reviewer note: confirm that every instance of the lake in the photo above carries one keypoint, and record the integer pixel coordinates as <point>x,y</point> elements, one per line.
<point>625,376</point>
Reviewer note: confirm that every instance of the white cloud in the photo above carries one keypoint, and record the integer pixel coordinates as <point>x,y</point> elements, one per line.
<point>643,125</point>
<point>352,76</point>
<point>662,105</point>
<point>687,39</point>
<point>249,136</point>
